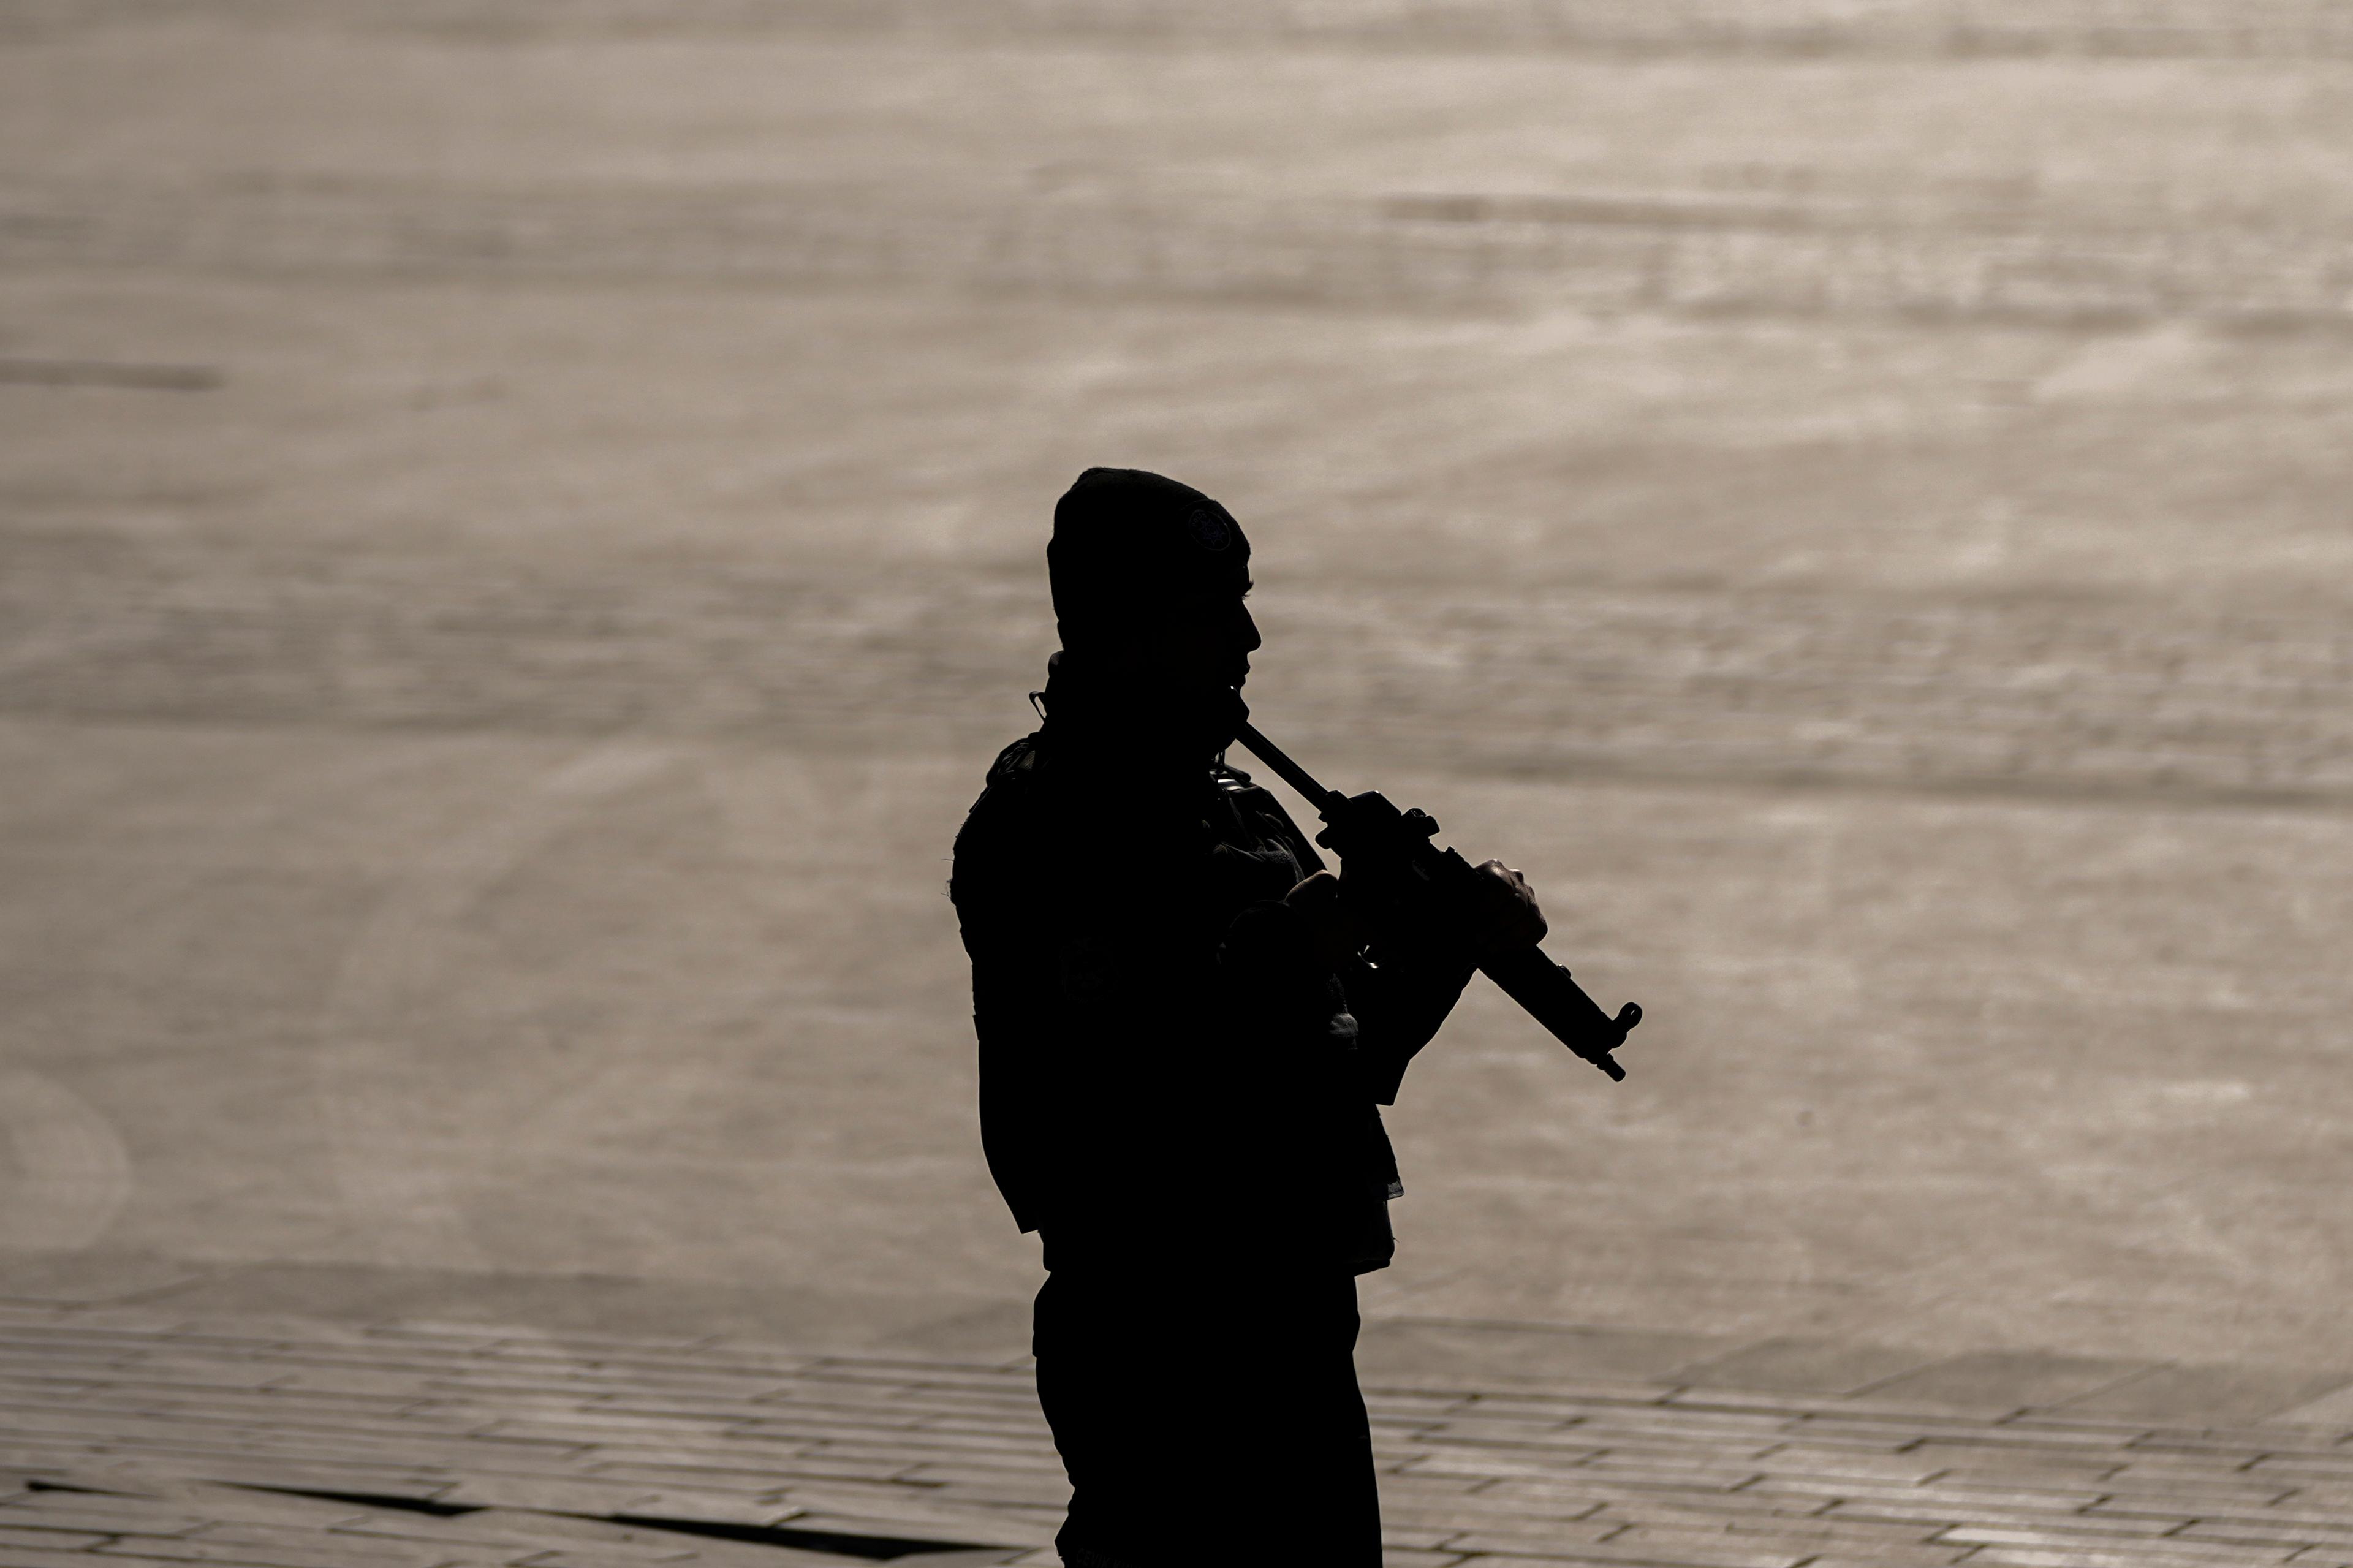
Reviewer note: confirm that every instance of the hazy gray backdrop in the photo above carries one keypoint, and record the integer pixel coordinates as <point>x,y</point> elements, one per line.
<point>521,527</point>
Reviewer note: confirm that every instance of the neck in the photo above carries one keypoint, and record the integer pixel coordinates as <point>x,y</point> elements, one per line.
<point>1137,723</point>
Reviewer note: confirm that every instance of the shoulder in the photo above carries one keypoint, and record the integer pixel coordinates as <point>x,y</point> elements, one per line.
<point>1019,767</point>
<point>1003,826</point>
<point>1257,805</point>
<point>1251,797</point>
<point>1013,783</point>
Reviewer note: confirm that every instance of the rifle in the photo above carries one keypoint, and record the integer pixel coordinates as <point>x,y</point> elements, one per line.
<point>1394,851</point>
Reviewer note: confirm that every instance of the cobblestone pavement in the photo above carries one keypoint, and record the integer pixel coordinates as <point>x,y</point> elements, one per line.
<point>284,1444</point>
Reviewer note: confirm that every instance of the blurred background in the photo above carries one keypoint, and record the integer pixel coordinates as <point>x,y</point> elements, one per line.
<point>521,531</point>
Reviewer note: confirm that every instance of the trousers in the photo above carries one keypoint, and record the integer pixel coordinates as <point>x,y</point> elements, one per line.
<point>1207,1417</point>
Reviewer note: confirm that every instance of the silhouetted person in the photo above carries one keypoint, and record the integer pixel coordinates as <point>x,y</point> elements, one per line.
<point>1184,1041</point>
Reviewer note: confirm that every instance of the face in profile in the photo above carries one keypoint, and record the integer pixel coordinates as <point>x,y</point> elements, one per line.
<point>1180,664</point>
<point>1202,640</point>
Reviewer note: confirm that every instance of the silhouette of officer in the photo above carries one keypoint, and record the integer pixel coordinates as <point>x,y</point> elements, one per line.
<point>1186,1033</point>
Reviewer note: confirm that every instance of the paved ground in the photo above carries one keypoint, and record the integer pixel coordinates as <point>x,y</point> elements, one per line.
<point>412,1444</point>
<point>520,528</point>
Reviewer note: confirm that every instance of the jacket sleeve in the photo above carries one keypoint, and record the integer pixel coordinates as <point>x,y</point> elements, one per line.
<point>1399,991</point>
<point>1400,996</point>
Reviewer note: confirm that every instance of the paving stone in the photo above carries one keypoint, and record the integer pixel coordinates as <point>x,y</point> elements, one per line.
<point>1567,1399</point>
<point>861,1395</point>
<point>277,1554</point>
<point>207,1371</point>
<point>686,1350</point>
<point>1977,1460</point>
<point>1435,1405</point>
<point>1651,1554</point>
<point>996,1486</point>
<point>2153,1464</point>
<point>47,1540</point>
<point>620,1557</point>
<point>995,1460</point>
<point>1413,1483</point>
<point>2196,1489</point>
<point>993,1525</point>
<point>470,1337</point>
<point>220,1540</point>
<point>1886,1541</point>
<point>494,1532</point>
<point>1489,1510</point>
<point>1862,1413</point>
<point>2171,1548</point>
<point>1642,1471</point>
<point>1007,1428</point>
<point>216,1408</point>
<point>1930,1515</point>
<point>1574,1498</point>
<point>1711,1447</point>
<point>1485,1464</point>
<point>1803,1366</point>
<point>902,1373</point>
<point>583,1496</point>
<point>1687,1421</point>
<point>240,1507</point>
<point>716,1480</point>
<point>1674,1539</point>
<point>1532,1531</point>
<point>323,1475</point>
<point>1485,1428</point>
<point>2138,1556</point>
<point>583,1427</point>
<point>2264,1437</point>
<point>1999,1380</point>
<point>2325,1525</point>
<point>2329,1410</point>
<point>86,1513</point>
<point>2205,1394</point>
<point>1903,1470</point>
<point>1484,1355</point>
<point>2328,1469</point>
<point>709,1507</point>
<point>824,1467</point>
<point>2285,1533</point>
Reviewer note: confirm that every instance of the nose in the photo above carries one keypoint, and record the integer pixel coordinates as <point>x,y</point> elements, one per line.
<point>1251,641</point>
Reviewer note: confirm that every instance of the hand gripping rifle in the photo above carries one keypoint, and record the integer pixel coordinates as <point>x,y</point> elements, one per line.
<point>1393,849</point>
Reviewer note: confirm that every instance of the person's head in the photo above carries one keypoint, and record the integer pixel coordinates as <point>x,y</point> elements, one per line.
<point>1148,578</point>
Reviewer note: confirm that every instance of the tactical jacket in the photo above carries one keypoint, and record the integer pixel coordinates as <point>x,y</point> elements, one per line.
<point>1168,1071</point>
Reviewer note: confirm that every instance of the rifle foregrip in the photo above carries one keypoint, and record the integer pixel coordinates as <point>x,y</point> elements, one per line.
<point>1560,1005</point>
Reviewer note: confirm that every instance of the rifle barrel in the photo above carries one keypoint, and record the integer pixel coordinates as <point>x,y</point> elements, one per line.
<point>1291,773</point>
